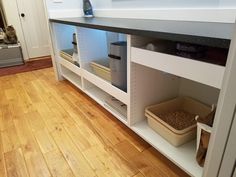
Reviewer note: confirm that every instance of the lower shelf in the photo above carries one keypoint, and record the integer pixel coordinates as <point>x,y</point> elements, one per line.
<point>70,66</point>
<point>100,96</point>
<point>183,156</point>
<point>71,76</point>
<point>106,86</point>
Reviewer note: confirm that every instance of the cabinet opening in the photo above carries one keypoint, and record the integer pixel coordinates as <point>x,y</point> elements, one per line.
<point>110,103</point>
<point>104,54</point>
<point>149,88</point>
<point>199,52</point>
<point>153,86</point>
<point>66,43</point>
<point>71,76</point>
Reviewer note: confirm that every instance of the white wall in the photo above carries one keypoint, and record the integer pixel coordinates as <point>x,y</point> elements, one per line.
<point>134,4</point>
<point>66,4</point>
<point>116,4</point>
<point>127,4</point>
<point>227,3</point>
<point>223,11</point>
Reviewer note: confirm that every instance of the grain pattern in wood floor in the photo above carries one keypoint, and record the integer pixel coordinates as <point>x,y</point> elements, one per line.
<point>50,128</point>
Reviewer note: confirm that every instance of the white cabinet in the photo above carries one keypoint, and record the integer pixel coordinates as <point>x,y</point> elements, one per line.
<point>152,77</point>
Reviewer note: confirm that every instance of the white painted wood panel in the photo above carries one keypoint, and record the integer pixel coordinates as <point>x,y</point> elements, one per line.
<point>198,71</point>
<point>229,159</point>
<point>224,115</point>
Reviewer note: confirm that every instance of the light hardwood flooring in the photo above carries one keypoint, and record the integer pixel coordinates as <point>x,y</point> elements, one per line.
<point>50,128</point>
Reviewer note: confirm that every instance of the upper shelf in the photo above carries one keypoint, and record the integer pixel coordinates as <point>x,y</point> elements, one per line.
<point>202,72</point>
<point>204,33</point>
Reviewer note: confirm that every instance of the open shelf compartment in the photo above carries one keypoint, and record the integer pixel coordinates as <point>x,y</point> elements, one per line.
<point>64,43</point>
<point>74,68</point>
<point>94,48</point>
<point>74,78</point>
<point>118,109</point>
<point>149,87</point>
<point>107,87</point>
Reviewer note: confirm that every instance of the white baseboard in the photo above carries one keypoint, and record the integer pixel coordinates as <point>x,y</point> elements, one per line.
<point>203,15</point>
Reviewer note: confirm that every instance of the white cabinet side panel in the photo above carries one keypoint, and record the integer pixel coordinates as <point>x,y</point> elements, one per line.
<point>128,77</point>
<point>224,115</point>
<point>54,51</point>
<point>228,162</point>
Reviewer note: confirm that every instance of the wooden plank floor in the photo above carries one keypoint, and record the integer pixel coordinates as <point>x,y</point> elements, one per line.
<point>50,128</point>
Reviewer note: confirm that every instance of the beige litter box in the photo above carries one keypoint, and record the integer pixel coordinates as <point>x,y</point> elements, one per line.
<point>175,120</point>
<point>101,69</point>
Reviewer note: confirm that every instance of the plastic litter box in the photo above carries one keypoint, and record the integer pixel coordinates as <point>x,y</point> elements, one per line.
<point>175,120</point>
<point>101,69</point>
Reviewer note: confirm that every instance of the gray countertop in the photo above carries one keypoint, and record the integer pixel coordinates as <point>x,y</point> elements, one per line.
<point>205,33</point>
